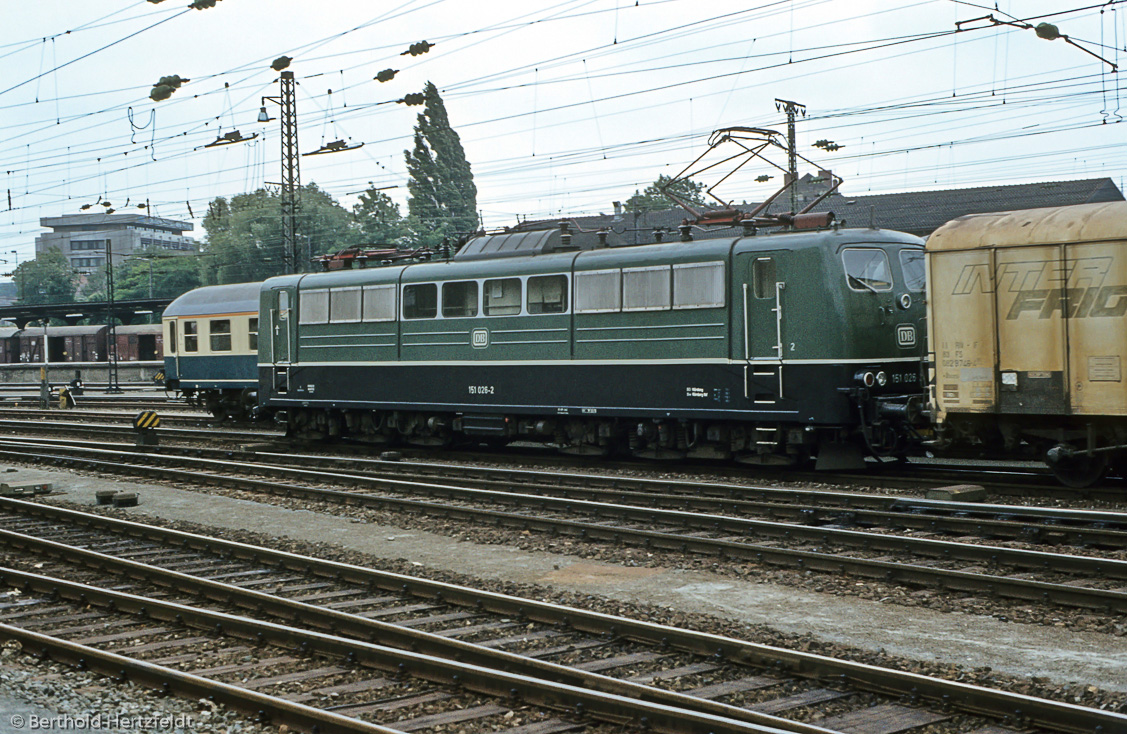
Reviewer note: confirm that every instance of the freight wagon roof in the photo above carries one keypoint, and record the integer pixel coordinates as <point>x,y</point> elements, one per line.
<point>53,331</point>
<point>216,299</point>
<point>1080,223</point>
<point>138,329</point>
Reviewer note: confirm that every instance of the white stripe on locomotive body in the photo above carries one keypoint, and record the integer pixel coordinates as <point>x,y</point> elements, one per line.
<point>587,362</point>
<point>551,408</point>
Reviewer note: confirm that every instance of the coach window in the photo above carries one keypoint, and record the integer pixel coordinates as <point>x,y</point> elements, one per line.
<point>867,269</point>
<point>420,301</point>
<point>252,334</point>
<point>313,307</point>
<point>502,297</point>
<point>172,337</point>
<point>547,294</point>
<point>598,291</point>
<point>699,285</point>
<point>379,303</point>
<point>220,335</point>
<point>763,277</point>
<point>344,305</point>
<point>646,289</point>
<point>912,264</point>
<point>459,299</point>
<point>191,336</point>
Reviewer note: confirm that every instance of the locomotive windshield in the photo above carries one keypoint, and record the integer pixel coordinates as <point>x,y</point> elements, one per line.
<point>912,265</point>
<point>867,269</point>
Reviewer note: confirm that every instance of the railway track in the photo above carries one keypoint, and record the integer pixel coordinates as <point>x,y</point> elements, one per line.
<point>999,479</point>
<point>114,431</point>
<point>1073,579</point>
<point>511,650</point>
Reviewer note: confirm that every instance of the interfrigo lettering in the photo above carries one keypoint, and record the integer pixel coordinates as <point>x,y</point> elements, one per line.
<point>1047,288</point>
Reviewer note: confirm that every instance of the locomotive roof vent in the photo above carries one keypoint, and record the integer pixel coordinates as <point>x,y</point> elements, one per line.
<point>517,244</point>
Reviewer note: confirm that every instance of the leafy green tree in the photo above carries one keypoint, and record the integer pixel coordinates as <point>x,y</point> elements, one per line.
<point>653,199</point>
<point>154,274</point>
<point>48,278</point>
<point>443,197</point>
<point>377,220</point>
<point>244,235</point>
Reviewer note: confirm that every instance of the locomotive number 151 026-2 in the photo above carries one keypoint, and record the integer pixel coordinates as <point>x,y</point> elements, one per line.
<point>481,389</point>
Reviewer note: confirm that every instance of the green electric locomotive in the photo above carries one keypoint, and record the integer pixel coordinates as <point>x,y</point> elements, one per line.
<point>768,349</point>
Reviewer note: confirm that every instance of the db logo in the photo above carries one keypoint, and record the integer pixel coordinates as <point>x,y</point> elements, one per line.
<point>906,335</point>
<point>479,338</point>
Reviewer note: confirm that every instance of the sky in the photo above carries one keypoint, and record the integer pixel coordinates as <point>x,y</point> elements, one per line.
<point>563,107</point>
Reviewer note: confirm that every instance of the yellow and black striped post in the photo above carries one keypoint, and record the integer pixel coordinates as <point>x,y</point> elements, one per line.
<point>146,423</point>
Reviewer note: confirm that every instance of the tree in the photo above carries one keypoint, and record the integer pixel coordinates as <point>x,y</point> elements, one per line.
<point>244,235</point>
<point>48,278</point>
<point>377,220</point>
<point>156,274</point>
<point>653,199</point>
<point>442,196</point>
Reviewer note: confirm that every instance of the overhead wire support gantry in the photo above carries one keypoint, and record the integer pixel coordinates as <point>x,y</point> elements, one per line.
<point>291,173</point>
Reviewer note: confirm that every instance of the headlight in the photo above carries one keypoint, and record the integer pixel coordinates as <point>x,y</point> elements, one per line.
<point>882,379</point>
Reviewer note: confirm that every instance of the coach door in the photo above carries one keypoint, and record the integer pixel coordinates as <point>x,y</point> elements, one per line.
<point>765,341</point>
<point>281,335</point>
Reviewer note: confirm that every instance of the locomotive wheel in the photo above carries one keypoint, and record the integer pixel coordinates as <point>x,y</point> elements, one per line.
<point>1079,471</point>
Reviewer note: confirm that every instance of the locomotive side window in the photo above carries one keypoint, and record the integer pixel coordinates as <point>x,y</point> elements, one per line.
<point>220,335</point>
<point>344,305</point>
<point>646,289</point>
<point>547,294</point>
<point>867,269</point>
<point>252,334</point>
<point>191,336</point>
<point>459,299</point>
<point>763,277</point>
<point>420,301</point>
<point>379,303</point>
<point>698,285</point>
<point>501,297</point>
<point>598,291</point>
<point>912,264</point>
<point>313,307</point>
<point>172,337</point>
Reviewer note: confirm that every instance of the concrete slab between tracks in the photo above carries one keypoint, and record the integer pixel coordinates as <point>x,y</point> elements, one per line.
<point>1062,655</point>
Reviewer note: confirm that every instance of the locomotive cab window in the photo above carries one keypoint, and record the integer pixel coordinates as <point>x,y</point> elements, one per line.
<point>219,333</point>
<point>191,336</point>
<point>915,274</point>
<point>866,269</point>
<point>344,305</point>
<point>459,299</point>
<point>379,303</point>
<point>547,294</point>
<point>646,289</point>
<point>252,334</point>
<point>313,307</point>
<point>598,291</point>
<point>502,297</point>
<point>420,301</point>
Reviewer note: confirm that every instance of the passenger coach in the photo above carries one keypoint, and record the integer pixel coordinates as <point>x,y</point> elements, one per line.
<point>211,347</point>
<point>770,349</point>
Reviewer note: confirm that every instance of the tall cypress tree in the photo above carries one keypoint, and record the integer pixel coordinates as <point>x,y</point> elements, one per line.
<point>442,195</point>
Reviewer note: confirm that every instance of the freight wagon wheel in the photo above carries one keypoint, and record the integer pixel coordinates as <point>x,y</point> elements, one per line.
<point>1079,470</point>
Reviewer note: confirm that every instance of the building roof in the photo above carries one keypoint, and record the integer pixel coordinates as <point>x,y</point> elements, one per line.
<point>922,212</point>
<point>915,212</point>
<point>114,221</point>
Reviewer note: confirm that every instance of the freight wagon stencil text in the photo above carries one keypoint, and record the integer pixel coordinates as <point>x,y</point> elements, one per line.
<point>1042,288</point>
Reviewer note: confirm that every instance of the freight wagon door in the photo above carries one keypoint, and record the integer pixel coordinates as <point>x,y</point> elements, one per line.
<point>765,344</point>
